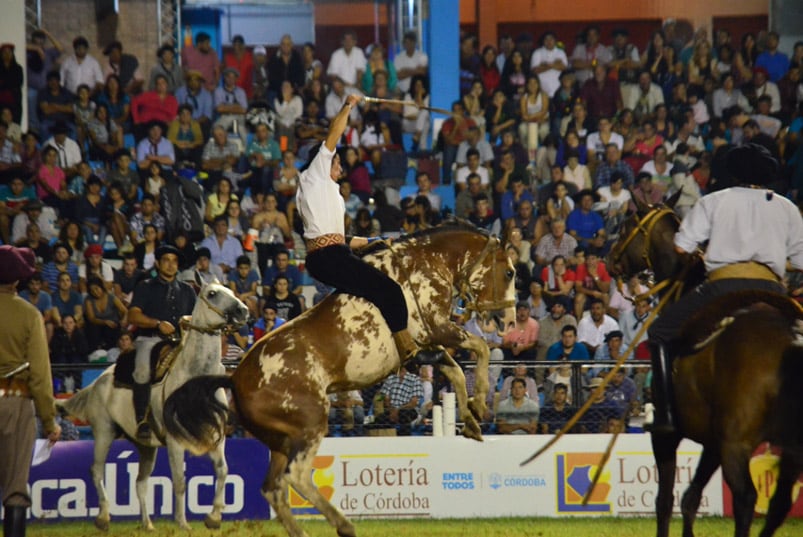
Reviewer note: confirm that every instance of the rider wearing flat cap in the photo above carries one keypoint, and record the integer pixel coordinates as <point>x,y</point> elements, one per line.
<point>157,305</point>
<point>751,233</point>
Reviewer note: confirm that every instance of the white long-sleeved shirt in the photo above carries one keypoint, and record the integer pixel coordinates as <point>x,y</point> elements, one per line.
<point>318,198</point>
<point>744,224</point>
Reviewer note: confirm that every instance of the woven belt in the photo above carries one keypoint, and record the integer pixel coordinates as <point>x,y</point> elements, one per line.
<point>323,241</point>
<point>14,387</point>
<point>748,270</point>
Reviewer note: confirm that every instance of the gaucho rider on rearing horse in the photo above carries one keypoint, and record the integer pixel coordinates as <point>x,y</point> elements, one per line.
<point>751,232</point>
<point>329,256</point>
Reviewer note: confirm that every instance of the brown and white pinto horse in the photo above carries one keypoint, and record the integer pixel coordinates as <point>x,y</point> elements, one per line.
<point>733,392</point>
<point>280,388</point>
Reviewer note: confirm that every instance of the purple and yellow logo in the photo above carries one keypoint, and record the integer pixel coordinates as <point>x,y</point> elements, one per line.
<point>575,472</point>
<point>323,478</point>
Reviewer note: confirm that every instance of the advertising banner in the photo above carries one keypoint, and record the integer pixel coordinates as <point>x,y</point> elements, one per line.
<point>386,477</point>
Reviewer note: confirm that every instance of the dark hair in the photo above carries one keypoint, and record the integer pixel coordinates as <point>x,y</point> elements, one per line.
<point>184,107</point>
<point>200,37</point>
<point>95,280</point>
<point>568,328</point>
<point>148,197</point>
<point>560,386</point>
<point>517,380</point>
<point>243,260</point>
<point>472,153</point>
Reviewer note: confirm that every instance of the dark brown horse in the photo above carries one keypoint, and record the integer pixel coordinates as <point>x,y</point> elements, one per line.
<point>280,388</point>
<point>735,389</point>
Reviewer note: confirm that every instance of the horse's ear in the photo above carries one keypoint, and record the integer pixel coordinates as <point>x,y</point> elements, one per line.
<point>199,281</point>
<point>673,199</point>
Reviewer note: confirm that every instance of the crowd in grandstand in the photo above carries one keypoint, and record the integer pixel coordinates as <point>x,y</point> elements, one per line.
<point>548,146</point>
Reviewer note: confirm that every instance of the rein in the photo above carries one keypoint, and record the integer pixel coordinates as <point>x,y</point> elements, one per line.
<point>643,226</point>
<point>212,330</point>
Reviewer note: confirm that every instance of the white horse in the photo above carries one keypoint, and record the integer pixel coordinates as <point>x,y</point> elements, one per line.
<point>110,409</point>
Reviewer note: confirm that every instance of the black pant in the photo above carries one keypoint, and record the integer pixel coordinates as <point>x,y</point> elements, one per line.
<point>670,321</point>
<point>338,267</point>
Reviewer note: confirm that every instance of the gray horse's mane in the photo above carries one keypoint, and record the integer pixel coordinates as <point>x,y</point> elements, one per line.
<point>451,225</point>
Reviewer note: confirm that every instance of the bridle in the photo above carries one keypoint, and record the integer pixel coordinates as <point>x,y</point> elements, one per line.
<point>468,294</point>
<point>644,226</point>
<point>211,330</point>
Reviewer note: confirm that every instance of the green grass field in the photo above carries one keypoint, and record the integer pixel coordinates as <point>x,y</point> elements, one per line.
<point>507,527</point>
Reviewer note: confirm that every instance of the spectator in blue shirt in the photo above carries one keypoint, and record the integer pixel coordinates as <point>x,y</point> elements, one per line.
<point>567,347</point>
<point>224,248</point>
<point>583,223</point>
<point>775,62</point>
<point>282,267</point>
<point>513,197</point>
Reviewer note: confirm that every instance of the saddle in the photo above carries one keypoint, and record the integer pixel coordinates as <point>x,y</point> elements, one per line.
<point>163,355</point>
<point>708,323</point>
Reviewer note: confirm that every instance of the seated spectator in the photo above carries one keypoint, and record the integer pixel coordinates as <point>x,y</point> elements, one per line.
<point>416,119</point>
<point>583,223</point>
<point>51,183</point>
<point>68,346</point>
<point>531,226</point>
<point>155,147</point>
<point>591,329</point>
<point>126,278</point>
<point>520,341</point>
<point>363,225</point>
<point>612,164</point>
<point>34,240</point>
<point>519,372</point>
<point>125,343</point>
<point>124,175</point>
<point>483,216</point>
<point>42,301</point>
<point>558,279</point>
<point>145,250</point>
<point>230,348</point>
<point>94,265</point>
<point>13,198</point>
<point>243,283</point>
<point>613,203</point>
<point>556,242</point>
<point>289,108</point>
<point>402,392</point>
<point>592,281</point>
<point>89,211</point>
<point>146,215</point>
<point>54,104</point>
<point>198,98</point>
<point>68,152</point>
<point>105,136</point>
<point>203,58</point>
<point>217,201</point>
<point>513,198</point>
<point>71,234</point>
<point>10,158</point>
<point>500,114</point>
<point>105,315</point>
<point>518,414</point>
<point>352,201</point>
<point>157,105</point>
<point>550,327</point>
<point>126,66</point>
<point>61,263</point>
<point>474,140</point>
<point>117,103</point>
<point>273,227</point>
<point>116,212</point>
<point>285,183</point>
<point>453,132</point>
<point>218,152</point>
<point>242,59</point>
<point>185,134</point>
<point>646,192</point>
<point>288,306</point>
<point>560,374</point>
<point>523,246</point>
<point>465,200</point>
<point>597,142</point>
<point>346,409</point>
<point>660,169</point>
<point>203,266</point>
<point>571,142</point>
<point>310,128</point>
<point>632,321</point>
<point>263,155</point>
<point>556,414</point>
<point>167,67</point>
<point>231,103</point>
<point>269,321</point>
<point>622,301</point>
<point>522,271</point>
<point>601,410</point>
<point>622,392</point>
<point>225,249</point>
<point>576,173</point>
<point>83,111</point>
<point>567,348</point>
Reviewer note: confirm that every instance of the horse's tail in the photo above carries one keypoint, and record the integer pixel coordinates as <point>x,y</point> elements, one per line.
<point>789,414</point>
<point>78,405</point>
<point>194,416</point>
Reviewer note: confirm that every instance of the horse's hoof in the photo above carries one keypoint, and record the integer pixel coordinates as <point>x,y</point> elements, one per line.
<point>148,526</point>
<point>347,531</point>
<point>472,430</point>
<point>212,523</point>
<point>102,524</point>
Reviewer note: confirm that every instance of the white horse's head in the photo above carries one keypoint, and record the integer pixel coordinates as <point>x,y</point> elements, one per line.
<point>217,306</point>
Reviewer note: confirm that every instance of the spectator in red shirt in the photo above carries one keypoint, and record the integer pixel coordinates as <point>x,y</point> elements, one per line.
<point>453,132</point>
<point>602,95</point>
<point>592,281</point>
<point>202,58</point>
<point>156,105</point>
<point>242,59</point>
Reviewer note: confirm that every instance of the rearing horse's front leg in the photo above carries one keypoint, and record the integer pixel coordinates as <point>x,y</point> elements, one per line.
<point>477,403</point>
<point>454,373</point>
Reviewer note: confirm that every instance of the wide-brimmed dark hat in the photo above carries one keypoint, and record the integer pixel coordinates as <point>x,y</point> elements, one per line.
<point>751,164</point>
<point>18,264</point>
<point>167,249</point>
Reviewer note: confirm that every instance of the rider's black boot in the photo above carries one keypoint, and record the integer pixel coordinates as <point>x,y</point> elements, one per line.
<point>14,521</point>
<point>142,397</point>
<point>663,421</point>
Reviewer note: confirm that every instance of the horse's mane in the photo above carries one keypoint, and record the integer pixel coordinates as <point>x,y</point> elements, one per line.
<point>452,224</point>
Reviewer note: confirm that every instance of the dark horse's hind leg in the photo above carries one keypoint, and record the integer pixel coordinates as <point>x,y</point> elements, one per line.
<point>782,499</point>
<point>709,462</point>
<point>736,471</point>
<point>664,447</point>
